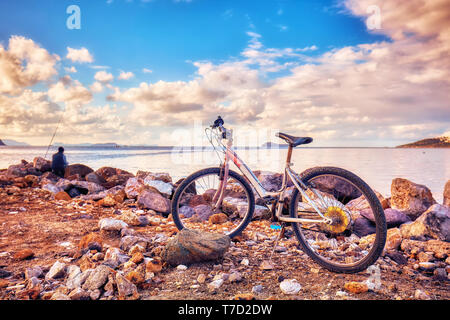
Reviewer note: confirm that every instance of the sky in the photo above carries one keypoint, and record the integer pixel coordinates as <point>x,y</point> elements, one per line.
<point>149,72</point>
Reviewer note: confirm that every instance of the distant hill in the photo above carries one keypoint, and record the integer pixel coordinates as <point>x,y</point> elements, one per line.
<point>13,143</point>
<point>93,145</point>
<point>439,142</point>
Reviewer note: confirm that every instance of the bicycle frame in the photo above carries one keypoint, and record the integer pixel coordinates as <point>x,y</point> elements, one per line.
<point>231,155</point>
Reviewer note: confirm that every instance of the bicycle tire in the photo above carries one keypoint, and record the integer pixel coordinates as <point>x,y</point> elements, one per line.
<point>215,170</point>
<point>377,209</point>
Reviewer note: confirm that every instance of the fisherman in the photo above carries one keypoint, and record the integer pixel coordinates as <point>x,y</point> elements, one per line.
<point>59,163</point>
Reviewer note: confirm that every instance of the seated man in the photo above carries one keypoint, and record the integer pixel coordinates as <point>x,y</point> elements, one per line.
<point>59,163</point>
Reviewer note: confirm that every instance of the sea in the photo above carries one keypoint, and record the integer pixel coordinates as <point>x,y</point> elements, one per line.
<point>376,166</point>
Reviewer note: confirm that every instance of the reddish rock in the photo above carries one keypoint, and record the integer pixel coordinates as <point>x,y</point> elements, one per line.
<point>356,287</point>
<point>410,197</point>
<point>218,218</point>
<point>154,266</point>
<point>447,194</point>
<point>77,168</point>
<point>92,241</point>
<point>24,254</point>
<point>42,164</point>
<point>197,200</point>
<point>62,195</point>
<point>151,200</point>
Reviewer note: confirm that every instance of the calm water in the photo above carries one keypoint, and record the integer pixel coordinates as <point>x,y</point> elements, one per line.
<point>377,166</point>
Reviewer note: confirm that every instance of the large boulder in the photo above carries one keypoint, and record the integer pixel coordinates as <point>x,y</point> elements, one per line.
<point>134,187</point>
<point>108,172</point>
<point>271,181</point>
<point>164,188</point>
<point>434,223</point>
<point>191,246</point>
<point>394,218</point>
<point>95,178</point>
<point>149,199</point>
<point>77,168</point>
<point>42,164</point>
<point>410,197</point>
<point>447,194</point>
<point>339,188</point>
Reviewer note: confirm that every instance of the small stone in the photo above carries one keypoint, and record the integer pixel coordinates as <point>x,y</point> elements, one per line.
<point>420,295</point>
<point>58,270</point>
<point>266,265</point>
<point>181,267</point>
<point>62,195</point>
<point>35,271</point>
<point>427,266</point>
<point>24,254</point>
<point>244,296</point>
<point>78,294</point>
<point>245,262</point>
<point>290,286</point>
<point>214,285</point>
<point>201,278</point>
<point>235,277</point>
<point>108,224</point>
<point>218,218</point>
<point>356,287</point>
<point>257,289</point>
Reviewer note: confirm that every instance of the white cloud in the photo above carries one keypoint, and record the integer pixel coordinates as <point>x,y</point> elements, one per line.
<point>72,69</point>
<point>103,77</point>
<point>126,75</point>
<point>79,55</point>
<point>24,64</point>
<point>96,87</point>
<point>145,70</point>
<point>69,91</point>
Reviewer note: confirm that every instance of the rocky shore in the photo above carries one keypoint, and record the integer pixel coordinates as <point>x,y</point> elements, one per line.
<point>107,235</point>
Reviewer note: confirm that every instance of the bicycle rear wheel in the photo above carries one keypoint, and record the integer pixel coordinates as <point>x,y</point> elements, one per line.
<point>194,203</point>
<point>343,197</point>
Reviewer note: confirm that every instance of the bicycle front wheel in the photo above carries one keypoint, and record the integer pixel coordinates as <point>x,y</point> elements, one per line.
<point>196,203</point>
<point>341,196</point>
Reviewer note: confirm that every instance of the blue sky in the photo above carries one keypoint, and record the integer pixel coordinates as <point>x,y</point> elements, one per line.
<point>164,35</point>
<point>142,69</point>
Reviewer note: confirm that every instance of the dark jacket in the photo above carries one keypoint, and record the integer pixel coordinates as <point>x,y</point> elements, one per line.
<point>59,161</point>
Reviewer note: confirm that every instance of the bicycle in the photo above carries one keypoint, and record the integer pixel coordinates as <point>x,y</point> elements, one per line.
<point>323,205</point>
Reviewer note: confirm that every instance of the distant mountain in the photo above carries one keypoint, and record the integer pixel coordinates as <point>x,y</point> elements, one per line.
<point>94,145</point>
<point>1,143</point>
<point>274,145</point>
<point>13,143</point>
<point>439,142</point>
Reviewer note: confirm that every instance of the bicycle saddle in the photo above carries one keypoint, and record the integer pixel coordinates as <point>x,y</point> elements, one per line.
<point>294,141</point>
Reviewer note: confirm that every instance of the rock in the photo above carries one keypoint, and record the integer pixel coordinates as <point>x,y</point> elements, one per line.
<point>107,172</point>
<point>186,211</point>
<point>440,274</point>
<point>127,242</point>
<point>79,294</point>
<point>447,194</point>
<point>33,272</point>
<point>420,295</point>
<point>257,289</point>
<point>190,246</point>
<point>32,181</point>
<point>87,187</point>
<point>201,278</point>
<point>115,256</point>
<point>164,188</point>
<point>77,168</point>
<point>397,257</point>
<point>290,286</point>
<point>107,201</point>
<point>218,218</point>
<point>58,270</point>
<point>394,218</point>
<point>97,278</point>
<point>125,288</point>
<point>73,192</point>
<point>161,176</point>
<point>196,200</point>
<point>154,266</point>
<point>42,164</point>
<point>203,212</point>
<point>216,284</point>
<point>59,296</point>
<point>363,227</point>
<point>93,177</point>
<point>356,287</point>
<point>412,198</point>
<point>24,254</point>
<point>270,181</point>
<point>134,187</point>
<point>427,266</point>
<point>393,239</point>
<point>62,195</point>
<point>108,224</point>
<point>434,223</point>
<point>52,188</point>
<point>151,200</point>
<point>91,241</point>
<point>266,265</point>
<point>133,219</point>
<point>339,188</point>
